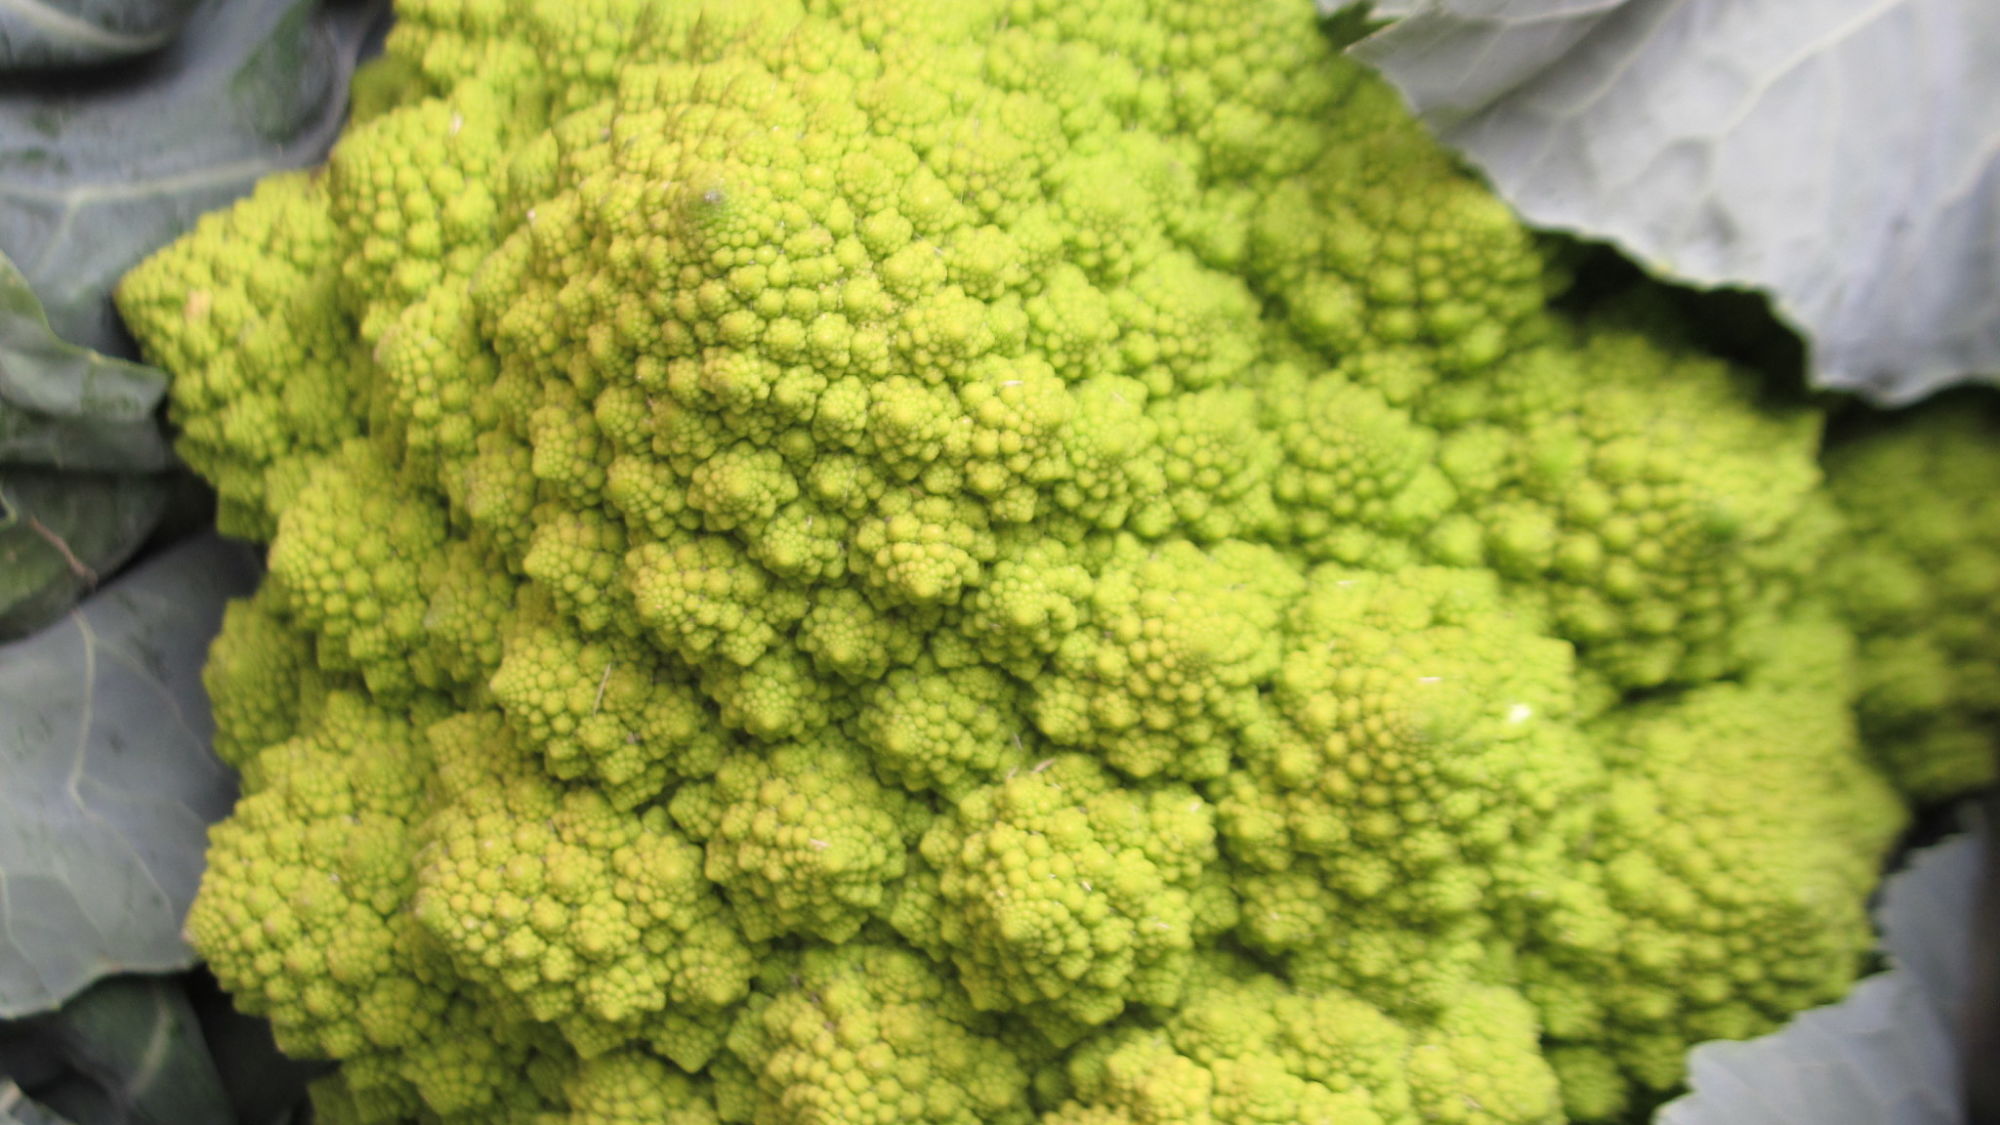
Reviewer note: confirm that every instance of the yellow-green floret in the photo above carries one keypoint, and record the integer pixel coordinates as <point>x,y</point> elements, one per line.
<point>1918,575</point>
<point>930,562</point>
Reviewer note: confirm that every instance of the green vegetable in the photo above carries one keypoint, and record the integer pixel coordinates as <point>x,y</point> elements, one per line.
<point>1002,562</point>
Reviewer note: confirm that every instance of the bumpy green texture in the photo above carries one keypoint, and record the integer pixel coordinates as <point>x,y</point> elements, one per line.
<point>949,561</point>
<point>1920,578</point>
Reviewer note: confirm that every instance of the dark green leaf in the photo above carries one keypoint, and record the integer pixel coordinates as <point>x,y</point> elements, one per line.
<point>17,1108</point>
<point>134,1054</point>
<point>126,1051</point>
<point>152,1050</point>
<point>61,533</point>
<point>46,33</point>
<point>111,785</point>
<point>265,1086</point>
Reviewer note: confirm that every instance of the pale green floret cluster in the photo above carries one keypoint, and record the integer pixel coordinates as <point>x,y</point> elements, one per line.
<point>995,561</point>
<point>1919,576</point>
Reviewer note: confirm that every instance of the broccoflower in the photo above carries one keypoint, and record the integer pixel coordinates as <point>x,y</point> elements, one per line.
<point>1001,561</point>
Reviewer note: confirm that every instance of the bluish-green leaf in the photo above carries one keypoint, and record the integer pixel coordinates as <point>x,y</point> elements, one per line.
<point>40,34</point>
<point>111,784</point>
<point>68,407</point>
<point>97,172</point>
<point>1887,1053</point>
<point>63,533</point>
<point>99,167</point>
<point>1841,155</point>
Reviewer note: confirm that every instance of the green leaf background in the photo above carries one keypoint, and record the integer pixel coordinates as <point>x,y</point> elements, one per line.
<point>110,782</point>
<point>1888,1053</point>
<point>98,171</point>
<point>68,407</point>
<point>98,168</point>
<point>50,33</point>
<point>148,1050</point>
<point>1843,156</point>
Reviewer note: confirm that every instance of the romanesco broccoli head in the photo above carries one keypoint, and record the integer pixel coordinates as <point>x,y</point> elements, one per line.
<point>935,561</point>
